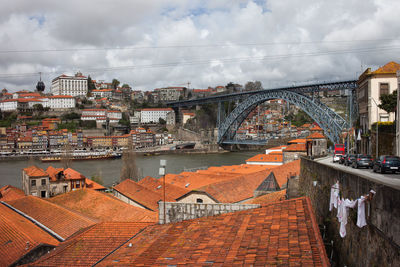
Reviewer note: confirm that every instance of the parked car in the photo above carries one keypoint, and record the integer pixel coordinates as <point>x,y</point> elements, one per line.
<point>387,164</point>
<point>362,161</point>
<point>336,157</point>
<point>349,159</point>
<point>342,159</point>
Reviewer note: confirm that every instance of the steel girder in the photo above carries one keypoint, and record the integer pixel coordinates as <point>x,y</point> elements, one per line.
<point>328,120</point>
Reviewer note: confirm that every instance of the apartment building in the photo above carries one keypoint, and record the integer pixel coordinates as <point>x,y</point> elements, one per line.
<point>76,85</point>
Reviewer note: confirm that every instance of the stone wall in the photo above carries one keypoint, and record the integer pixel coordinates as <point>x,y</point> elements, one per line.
<point>376,244</point>
<point>176,212</point>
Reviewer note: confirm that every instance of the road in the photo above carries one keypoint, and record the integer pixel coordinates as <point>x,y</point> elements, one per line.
<point>391,180</point>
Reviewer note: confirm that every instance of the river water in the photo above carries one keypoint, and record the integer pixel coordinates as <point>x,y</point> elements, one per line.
<point>109,170</point>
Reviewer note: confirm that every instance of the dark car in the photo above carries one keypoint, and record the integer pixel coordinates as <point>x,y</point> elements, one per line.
<point>349,159</point>
<point>362,161</point>
<point>387,164</point>
<point>342,159</point>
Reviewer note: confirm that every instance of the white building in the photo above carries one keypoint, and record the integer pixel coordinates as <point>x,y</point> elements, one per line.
<point>153,115</point>
<point>114,114</point>
<point>9,105</point>
<point>76,85</point>
<point>103,93</point>
<point>61,102</point>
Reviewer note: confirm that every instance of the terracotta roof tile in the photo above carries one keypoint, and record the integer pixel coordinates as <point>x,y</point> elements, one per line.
<point>286,170</point>
<point>297,141</point>
<point>140,194</point>
<point>19,236</point>
<point>315,135</point>
<point>102,206</point>
<point>296,148</point>
<point>271,157</point>
<point>71,174</point>
<point>52,172</point>
<point>34,171</point>
<point>268,198</point>
<point>9,192</point>
<point>156,185</point>
<point>62,221</point>
<point>93,185</point>
<point>257,237</point>
<point>390,68</point>
<point>88,247</point>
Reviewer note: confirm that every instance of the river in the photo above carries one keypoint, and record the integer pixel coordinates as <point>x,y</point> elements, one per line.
<point>109,170</point>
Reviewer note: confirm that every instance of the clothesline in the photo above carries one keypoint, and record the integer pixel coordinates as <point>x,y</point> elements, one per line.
<point>342,205</point>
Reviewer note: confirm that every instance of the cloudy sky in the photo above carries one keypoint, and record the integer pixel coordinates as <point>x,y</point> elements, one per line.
<point>150,44</point>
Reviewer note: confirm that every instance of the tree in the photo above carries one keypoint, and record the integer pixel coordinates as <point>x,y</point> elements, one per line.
<point>115,83</point>
<point>129,169</point>
<point>253,86</point>
<point>388,102</point>
<point>38,107</point>
<point>91,85</point>
<point>125,85</point>
<point>162,121</point>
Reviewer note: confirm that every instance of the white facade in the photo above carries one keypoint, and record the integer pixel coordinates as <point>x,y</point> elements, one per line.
<point>70,85</point>
<point>114,114</point>
<point>153,115</point>
<point>61,102</point>
<point>102,93</point>
<point>9,105</point>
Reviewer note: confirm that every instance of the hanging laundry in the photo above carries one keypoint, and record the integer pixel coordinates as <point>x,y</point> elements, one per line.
<point>334,196</point>
<point>361,222</point>
<point>344,205</point>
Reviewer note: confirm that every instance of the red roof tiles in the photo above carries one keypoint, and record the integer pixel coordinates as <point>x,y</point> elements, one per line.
<point>315,135</point>
<point>34,171</point>
<point>140,194</point>
<point>90,246</point>
<point>271,157</point>
<point>102,206</point>
<point>19,236</point>
<point>62,221</point>
<point>156,185</point>
<point>268,198</point>
<point>284,233</point>
<point>8,193</point>
<point>295,148</point>
<point>389,68</point>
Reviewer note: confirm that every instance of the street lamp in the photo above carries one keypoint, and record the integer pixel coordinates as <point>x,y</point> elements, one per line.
<point>377,126</point>
<point>163,165</point>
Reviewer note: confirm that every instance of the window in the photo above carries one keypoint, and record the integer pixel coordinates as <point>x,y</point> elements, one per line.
<point>33,182</point>
<point>199,200</point>
<point>383,89</point>
<point>43,181</point>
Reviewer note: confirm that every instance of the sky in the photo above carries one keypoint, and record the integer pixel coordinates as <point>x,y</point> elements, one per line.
<point>157,43</point>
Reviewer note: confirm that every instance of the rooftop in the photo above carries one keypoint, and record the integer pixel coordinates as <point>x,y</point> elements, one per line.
<point>62,221</point>
<point>390,68</point>
<point>9,192</point>
<point>296,148</point>
<point>284,233</point>
<point>19,236</point>
<point>272,157</point>
<point>90,246</point>
<point>140,194</point>
<point>316,135</point>
<point>34,171</point>
<point>268,198</point>
<point>156,185</point>
<point>102,206</point>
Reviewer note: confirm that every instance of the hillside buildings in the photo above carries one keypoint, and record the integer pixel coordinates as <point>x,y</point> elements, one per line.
<point>76,85</point>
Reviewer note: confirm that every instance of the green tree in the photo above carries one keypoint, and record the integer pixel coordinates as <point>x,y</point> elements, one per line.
<point>162,121</point>
<point>38,107</point>
<point>125,85</point>
<point>115,83</point>
<point>91,85</point>
<point>388,102</point>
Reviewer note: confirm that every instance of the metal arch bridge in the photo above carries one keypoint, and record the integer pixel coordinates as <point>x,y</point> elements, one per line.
<point>305,97</point>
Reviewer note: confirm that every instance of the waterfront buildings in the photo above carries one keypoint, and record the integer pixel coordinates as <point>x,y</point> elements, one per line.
<point>153,115</point>
<point>76,85</point>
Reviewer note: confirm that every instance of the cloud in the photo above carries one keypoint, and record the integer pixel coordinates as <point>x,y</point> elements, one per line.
<point>208,43</point>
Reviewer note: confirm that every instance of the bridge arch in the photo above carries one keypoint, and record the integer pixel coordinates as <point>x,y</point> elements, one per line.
<point>332,123</point>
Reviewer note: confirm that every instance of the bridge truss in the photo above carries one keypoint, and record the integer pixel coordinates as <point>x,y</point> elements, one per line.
<point>305,97</point>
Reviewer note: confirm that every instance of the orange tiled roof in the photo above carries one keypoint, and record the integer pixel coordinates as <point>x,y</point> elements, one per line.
<point>316,128</point>
<point>62,221</point>
<point>237,189</point>
<point>282,172</point>
<point>140,194</point>
<point>93,185</point>
<point>282,233</point>
<point>10,192</point>
<point>90,246</point>
<point>52,172</point>
<point>102,206</point>
<point>156,185</point>
<point>297,141</point>
<point>71,174</point>
<point>34,171</point>
<point>268,198</point>
<point>296,148</point>
<point>316,135</point>
<point>19,236</point>
<point>272,157</point>
<point>390,68</point>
